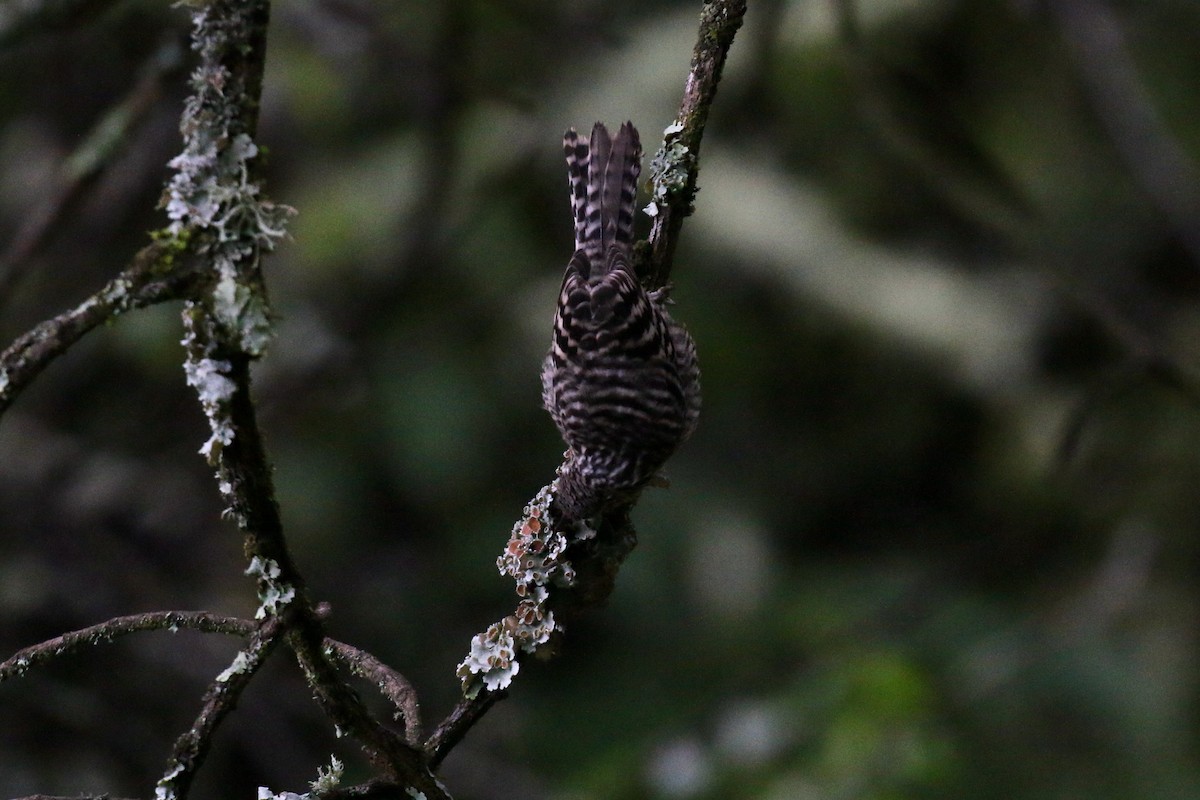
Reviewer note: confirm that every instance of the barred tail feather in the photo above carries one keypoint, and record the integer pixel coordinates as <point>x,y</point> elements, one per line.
<point>603,174</point>
<point>577,154</point>
<point>621,380</point>
<point>620,186</point>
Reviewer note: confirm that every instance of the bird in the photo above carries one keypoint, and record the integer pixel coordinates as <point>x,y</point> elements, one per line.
<point>621,380</point>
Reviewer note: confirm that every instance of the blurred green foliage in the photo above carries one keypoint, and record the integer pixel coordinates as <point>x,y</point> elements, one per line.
<point>936,536</point>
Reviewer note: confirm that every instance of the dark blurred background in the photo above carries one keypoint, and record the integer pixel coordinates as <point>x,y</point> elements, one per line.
<point>936,536</point>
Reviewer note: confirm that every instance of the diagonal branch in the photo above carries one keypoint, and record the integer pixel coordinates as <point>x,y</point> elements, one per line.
<point>593,560</point>
<point>215,192</point>
<point>454,727</point>
<point>677,164</point>
<point>159,272</point>
<point>220,699</point>
<point>1162,167</point>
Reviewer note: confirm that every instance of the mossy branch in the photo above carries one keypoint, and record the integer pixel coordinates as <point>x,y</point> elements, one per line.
<point>215,192</point>
<point>674,169</point>
<point>561,572</point>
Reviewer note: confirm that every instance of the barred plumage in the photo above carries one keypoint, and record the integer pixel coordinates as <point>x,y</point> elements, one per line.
<point>621,380</point>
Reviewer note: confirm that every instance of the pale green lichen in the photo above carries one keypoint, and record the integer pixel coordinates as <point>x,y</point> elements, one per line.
<point>669,169</point>
<point>328,778</point>
<point>117,295</point>
<point>239,309</point>
<point>212,190</point>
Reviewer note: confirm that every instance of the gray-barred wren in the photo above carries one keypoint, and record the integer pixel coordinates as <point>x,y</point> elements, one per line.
<point>621,380</point>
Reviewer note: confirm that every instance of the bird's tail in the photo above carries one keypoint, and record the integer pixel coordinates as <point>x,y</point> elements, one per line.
<point>603,176</point>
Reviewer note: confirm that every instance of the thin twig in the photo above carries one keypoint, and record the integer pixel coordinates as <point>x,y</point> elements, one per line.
<point>392,684</point>
<point>455,726</point>
<point>191,748</point>
<point>66,644</point>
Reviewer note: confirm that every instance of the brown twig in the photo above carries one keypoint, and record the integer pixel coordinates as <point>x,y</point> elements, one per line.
<point>66,644</point>
<point>220,698</point>
<point>394,686</point>
<point>455,726</point>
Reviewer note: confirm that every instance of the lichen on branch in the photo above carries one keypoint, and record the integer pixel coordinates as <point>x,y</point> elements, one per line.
<point>214,192</point>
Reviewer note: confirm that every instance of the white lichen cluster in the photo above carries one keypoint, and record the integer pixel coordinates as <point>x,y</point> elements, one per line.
<point>533,558</point>
<point>492,662</point>
<point>21,667</point>
<point>241,663</point>
<point>215,389</point>
<point>328,779</point>
<point>264,793</point>
<point>165,788</point>
<point>212,193</point>
<point>241,309</point>
<point>211,189</point>
<point>668,169</point>
<point>116,297</point>
<point>273,594</point>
